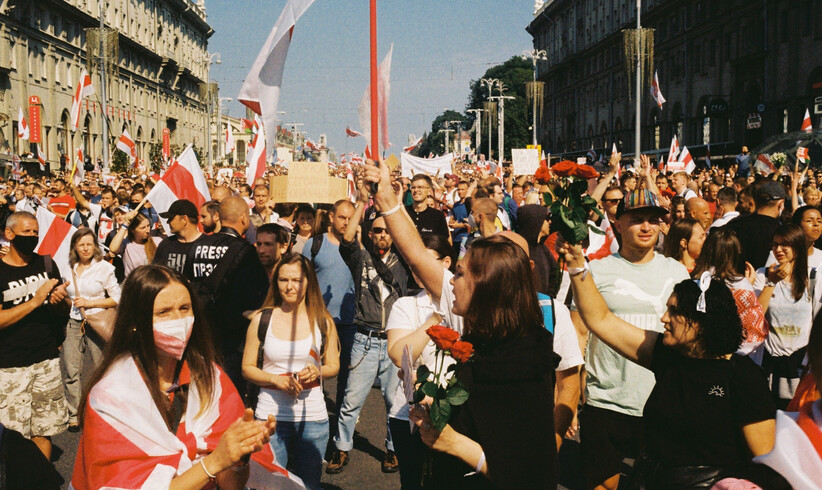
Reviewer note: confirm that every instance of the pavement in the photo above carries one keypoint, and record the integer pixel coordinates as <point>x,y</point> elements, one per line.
<point>363,469</point>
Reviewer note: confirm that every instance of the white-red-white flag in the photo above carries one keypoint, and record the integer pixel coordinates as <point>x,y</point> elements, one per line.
<point>806,122</point>
<point>229,141</point>
<point>673,153</point>
<point>408,149</point>
<point>351,133</point>
<point>687,160</point>
<point>127,146</point>
<point>22,126</point>
<point>261,89</point>
<point>383,94</point>
<point>41,157</point>
<point>352,186</point>
<point>184,179</point>
<point>78,170</point>
<point>54,238</point>
<point>802,154</point>
<point>656,92</point>
<point>257,161</point>
<point>83,90</point>
<point>764,164</point>
<point>543,162</point>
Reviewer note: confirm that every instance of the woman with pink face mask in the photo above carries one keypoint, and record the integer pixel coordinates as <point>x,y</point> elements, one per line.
<point>160,413</point>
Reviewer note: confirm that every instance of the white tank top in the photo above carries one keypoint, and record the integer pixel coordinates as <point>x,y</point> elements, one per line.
<point>284,356</point>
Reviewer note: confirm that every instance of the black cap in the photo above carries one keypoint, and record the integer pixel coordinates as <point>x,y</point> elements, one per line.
<point>769,190</point>
<point>181,207</point>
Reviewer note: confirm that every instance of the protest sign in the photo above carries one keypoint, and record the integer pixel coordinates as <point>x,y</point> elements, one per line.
<point>525,161</point>
<point>393,162</point>
<point>308,182</point>
<point>412,165</point>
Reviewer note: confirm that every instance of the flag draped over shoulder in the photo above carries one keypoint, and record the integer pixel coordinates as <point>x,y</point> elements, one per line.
<point>261,89</point>
<point>383,93</point>
<point>126,443</point>
<point>55,238</point>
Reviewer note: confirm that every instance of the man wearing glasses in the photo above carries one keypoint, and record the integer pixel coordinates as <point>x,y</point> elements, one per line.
<point>426,219</point>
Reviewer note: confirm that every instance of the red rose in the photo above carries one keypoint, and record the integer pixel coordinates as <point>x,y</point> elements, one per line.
<point>543,175</point>
<point>443,337</point>
<point>586,172</point>
<point>564,168</point>
<point>462,351</point>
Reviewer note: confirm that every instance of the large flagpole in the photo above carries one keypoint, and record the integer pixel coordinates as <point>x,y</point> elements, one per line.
<point>638,122</point>
<point>375,145</point>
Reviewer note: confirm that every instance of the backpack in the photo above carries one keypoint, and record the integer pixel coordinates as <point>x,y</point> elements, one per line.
<point>252,392</point>
<point>316,243</point>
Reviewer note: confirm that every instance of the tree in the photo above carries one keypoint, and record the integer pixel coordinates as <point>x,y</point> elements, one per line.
<point>434,142</point>
<point>513,74</point>
<point>120,161</point>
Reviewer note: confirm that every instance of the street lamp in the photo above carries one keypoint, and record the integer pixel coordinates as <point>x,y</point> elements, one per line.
<point>479,128</point>
<point>457,132</point>
<point>220,101</point>
<point>210,58</point>
<point>489,82</point>
<point>535,55</point>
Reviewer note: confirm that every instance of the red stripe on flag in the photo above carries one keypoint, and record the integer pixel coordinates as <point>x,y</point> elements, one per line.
<point>180,181</point>
<point>54,237</point>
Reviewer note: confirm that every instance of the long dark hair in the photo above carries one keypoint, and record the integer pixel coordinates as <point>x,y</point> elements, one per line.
<point>720,254</point>
<point>150,246</point>
<point>680,230</point>
<point>720,330</point>
<point>795,238</point>
<point>133,335</point>
<point>504,302</point>
<point>314,304</point>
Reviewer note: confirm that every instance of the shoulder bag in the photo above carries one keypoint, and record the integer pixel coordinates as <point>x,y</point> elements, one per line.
<point>101,322</point>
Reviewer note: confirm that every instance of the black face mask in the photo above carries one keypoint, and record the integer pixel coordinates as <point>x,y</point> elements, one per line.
<point>25,245</point>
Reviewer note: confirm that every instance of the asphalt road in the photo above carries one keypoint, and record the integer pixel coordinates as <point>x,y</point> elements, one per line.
<point>363,469</point>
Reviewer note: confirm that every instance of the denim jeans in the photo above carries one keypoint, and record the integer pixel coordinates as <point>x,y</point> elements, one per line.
<point>306,441</point>
<point>369,361</point>
<point>346,335</point>
<point>71,359</point>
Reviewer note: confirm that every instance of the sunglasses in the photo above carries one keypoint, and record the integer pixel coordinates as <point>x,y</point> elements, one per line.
<point>611,201</point>
<point>379,229</point>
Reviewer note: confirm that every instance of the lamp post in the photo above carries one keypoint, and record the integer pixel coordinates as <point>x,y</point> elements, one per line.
<point>535,55</point>
<point>489,82</point>
<point>501,123</point>
<point>456,132</point>
<point>220,101</point>
<point>479,128</point>
<point>207,61</point>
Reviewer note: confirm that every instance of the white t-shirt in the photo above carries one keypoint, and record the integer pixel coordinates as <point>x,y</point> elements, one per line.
<point>790,320</point>
<point>97,281</point>
<point>636,293</point>
<point>724,219</point>
<point>688,194</point>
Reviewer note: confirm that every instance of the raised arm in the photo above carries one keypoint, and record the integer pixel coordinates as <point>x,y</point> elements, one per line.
<point>645,170</point>
<point>406,238</point>
<point>603,184</point>
<point>629,341</point>
<point>78,196</point>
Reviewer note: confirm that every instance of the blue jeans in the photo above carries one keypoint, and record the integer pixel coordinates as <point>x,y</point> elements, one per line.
<point>346,334</point>
<point>306,441</point>
<point>369,361</point>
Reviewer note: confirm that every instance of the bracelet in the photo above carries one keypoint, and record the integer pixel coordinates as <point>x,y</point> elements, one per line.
<point>480,463</point>
<point>392,210</point>
<point>210,476</point>
<point>770,284</point>
<point>575,271</point>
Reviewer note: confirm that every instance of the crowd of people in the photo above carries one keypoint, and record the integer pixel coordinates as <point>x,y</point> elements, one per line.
<point>679,334</point>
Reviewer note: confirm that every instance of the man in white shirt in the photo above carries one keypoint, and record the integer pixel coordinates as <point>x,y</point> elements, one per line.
<point>725,207</point>
<point>679,183</point>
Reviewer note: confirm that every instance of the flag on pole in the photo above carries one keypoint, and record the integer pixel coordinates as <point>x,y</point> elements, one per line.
<point>41,157</point>
<point>352,186</point>
<point>184,179</point>
<point>261,89</point>
<point>257,161</point>
<point>802,154</point>
<point>383,93</point>
<point>311,145</point>
<point>247,125</point>
<point>22,126</point>
<point>687,160</point>
<point>409,149</point>
<point>673,153</point>
<point>543,162</point>
<point>764,164</point>
<point>592,154</point>
<point>77,170</point>
<point>229,141</point>
<point>351,133</point>
<point>127,146</point>
<point>806,122</point>
<point>83,90</point>
<point>55,238</point>
<point>619,165</point>
<point>656,92</point>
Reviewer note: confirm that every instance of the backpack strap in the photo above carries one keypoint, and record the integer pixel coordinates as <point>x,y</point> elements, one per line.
<point>262,327</point>
<point>316,243</point>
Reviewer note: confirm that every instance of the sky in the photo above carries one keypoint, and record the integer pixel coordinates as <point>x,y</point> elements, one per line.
<point>440,46</point>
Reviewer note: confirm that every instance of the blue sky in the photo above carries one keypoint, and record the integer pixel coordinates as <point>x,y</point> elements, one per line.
<point>439,47</point>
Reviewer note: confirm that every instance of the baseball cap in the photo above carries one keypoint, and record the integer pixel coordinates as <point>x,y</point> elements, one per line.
<point>181,207</point>
<point>640,199</point>
<point>769,190</point>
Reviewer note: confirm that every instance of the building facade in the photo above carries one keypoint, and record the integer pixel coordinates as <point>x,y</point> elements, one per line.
<point>159,82</point>
<point>734,72</point>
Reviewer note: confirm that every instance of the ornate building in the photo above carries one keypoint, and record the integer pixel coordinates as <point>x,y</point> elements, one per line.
<point>158,80</point>
<point>734,72</point>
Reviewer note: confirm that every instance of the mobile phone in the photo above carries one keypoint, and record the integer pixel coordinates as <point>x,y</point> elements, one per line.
<point>373,186</point>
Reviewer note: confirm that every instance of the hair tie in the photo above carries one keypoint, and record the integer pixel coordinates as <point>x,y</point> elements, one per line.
<point>704,282</point>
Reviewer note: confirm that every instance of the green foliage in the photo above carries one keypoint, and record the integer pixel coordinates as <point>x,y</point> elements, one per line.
<point>155,157</point>
<point>434,142</point>
<point>120,162</point>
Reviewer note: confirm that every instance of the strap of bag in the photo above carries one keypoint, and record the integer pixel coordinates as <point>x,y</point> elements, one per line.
<point>316,243</point>
<point>77,291</point>
<point>265,319</point>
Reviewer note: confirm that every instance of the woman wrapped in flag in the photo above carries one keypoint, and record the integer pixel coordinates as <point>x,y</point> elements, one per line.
<point>160,413</point>
<point>299,350</point>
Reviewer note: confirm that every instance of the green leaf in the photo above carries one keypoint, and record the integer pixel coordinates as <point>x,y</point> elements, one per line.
<point>457,395</point>
<point>548,198</point>
<point>440,413</point>
<point>429,388</point>
<point>563,214</point>
<point>589,201</point>
<point>595,229</point>
<point>418,396</point>
<point>581,232</point>
<point>422,373</point>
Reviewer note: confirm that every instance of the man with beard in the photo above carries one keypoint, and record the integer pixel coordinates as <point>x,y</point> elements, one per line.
<point>210,217</point>
<point>272,243</point>
<point>380,278</point>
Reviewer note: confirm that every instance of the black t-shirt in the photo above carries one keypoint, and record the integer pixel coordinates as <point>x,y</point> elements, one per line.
<point>698,407</point>
<point>38,335</point>
<point>755,232</point>
<point>171,252</point>
<point>429,221</point>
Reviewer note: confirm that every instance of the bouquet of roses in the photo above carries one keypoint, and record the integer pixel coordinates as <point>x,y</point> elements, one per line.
<point>441,384</point>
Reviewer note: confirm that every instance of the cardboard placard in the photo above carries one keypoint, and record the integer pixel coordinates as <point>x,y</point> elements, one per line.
<point>525,161</point>
<point>392,161</point>
<point>308,182</point>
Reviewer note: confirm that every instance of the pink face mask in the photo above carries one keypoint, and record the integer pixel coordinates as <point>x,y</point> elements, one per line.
<point>171,336</point>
